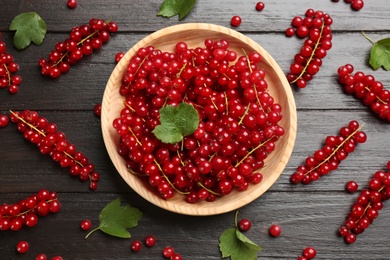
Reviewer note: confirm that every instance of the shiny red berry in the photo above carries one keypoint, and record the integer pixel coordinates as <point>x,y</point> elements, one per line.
<point>245,224</point>
<point>22,247</point>
<point>85,224</point>
<point>236,21</point>
<point>275,230</point>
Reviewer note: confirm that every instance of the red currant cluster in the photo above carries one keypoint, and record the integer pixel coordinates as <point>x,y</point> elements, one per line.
<point>26,212</point>
<point>7,67</point>
<point>355,4</point>
<point>238,119</point>
<point>366,88</point>
<point>367,205</point>
<point>327,159</point>
<point>308,253</point>
<point>39,131</point>
<point>316,27</point>
<point>82,41</point>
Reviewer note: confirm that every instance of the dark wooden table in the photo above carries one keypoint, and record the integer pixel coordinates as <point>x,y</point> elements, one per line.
<point>309,215</point>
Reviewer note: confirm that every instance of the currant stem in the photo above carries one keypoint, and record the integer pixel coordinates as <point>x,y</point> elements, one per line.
<point>368,38</point>
<point>335,151</point>
<point>211,191</point>
<point>93,230</point>
<point>378,98</point>
<point>245,113</point>
<point>311,56</point>
<point>8,74</point>
<point>27,123</point>
<point>254,149</point>
<point>167,179</point>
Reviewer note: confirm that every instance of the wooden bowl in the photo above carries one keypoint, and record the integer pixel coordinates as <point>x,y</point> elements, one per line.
<point>194,35</point>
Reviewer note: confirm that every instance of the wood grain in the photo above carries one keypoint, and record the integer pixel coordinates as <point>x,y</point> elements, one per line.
<point>308,214</point>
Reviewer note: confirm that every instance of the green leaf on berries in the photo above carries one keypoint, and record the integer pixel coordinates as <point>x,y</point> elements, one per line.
<point>171,8</point>
<point>29,27</point>
<point>234,244</point>
<point>176,122</point>
<point>380,54</point>
<point>116,218</point>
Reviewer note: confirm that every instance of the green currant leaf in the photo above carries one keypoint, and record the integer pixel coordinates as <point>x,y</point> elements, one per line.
<point>115,219</point>
<point>176,122</point>
<point>171,8</point>
<point>29,27</point>
<point>380,54</point>
<point>237,246</point>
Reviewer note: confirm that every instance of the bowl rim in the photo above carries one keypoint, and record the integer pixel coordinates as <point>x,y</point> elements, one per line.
<point>187,208</point>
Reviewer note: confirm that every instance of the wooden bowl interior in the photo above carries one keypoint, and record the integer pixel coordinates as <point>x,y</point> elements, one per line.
<point>194,35</point>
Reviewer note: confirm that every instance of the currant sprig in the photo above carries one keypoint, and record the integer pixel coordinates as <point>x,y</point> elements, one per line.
<point>26,212</point>
<point>364,86</point>
<point>239,119</point>
<point>8,68</point>
<point>367,206</point>
<point>39,131</point>
<point>327,159</point>
<point>316,27</point>
<point>82,41</point>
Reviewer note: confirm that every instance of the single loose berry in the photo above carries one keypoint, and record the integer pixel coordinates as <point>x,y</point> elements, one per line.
<point>119,56</point>
<point>351,186</point>
<point>72,4</point>
<point>168,251</point>
<point>3,120</point>
<point>57,257</point>
<point>309,252</point>
<point>97,110</point>
<point>22,247</point>
<point>275,230</point>
<point>357,4</point>
<point>85,224</point>
<point>260,6</point>
<point>176,256</point>
<point>150,241</point>
<point>245,224</point>
<point>40,257</point>
<point>136,246</point>
<point>235,21</point>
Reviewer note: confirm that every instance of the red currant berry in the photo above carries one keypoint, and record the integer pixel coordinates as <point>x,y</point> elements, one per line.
<point>309,252</point>
<point>350,238</point>
<point>235,21</point>
<point>351,186</point>
<point>85,224</point>
<point>136,246</point>
<point>260,6</point>
<point>57,257</point>
<point>119,56</point>
<point>357,4</point>
<point>72,4</point>
<point>168,252</point>
<point>176,256</point>
<point>245,224</point>
<point>97,110</point>
<point>22,247</point>
<point>275,230</point>
<point>150,241</point>
<point>40,257</point>
<point>3,120</point>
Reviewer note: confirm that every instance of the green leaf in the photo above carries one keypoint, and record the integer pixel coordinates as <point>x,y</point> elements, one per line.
<point>171,8</point>
<point>380,54</point>
<point>29,27</point>
<point>176,122</point>
<point>234,244</point>
<point>115,219</point>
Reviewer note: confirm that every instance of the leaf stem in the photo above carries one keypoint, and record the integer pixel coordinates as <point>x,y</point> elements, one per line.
<point>368,38</point>
<point>236,219</point>
<point>93,230</point>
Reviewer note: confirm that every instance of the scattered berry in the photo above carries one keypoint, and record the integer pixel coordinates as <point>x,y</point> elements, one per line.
<point>4,120</point>
<point>119,56</point>
<point>327,159</point>
<point>168,252</point>
<point>176,256</point>
<point>236,21</point>
<point>150,241</point>
<point>40,257</point>
<point>72,4</point>
<point>97,110</point>
<point>309,252</point>
<point>245,224</point>
<point>260,6</point>
<point>22,247</point>
<point>357,4</point>
<point>275,230</point>
<point>57,258</point>
<point>85,224</point>
<point>351,186</point>
<point>136,246</point>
